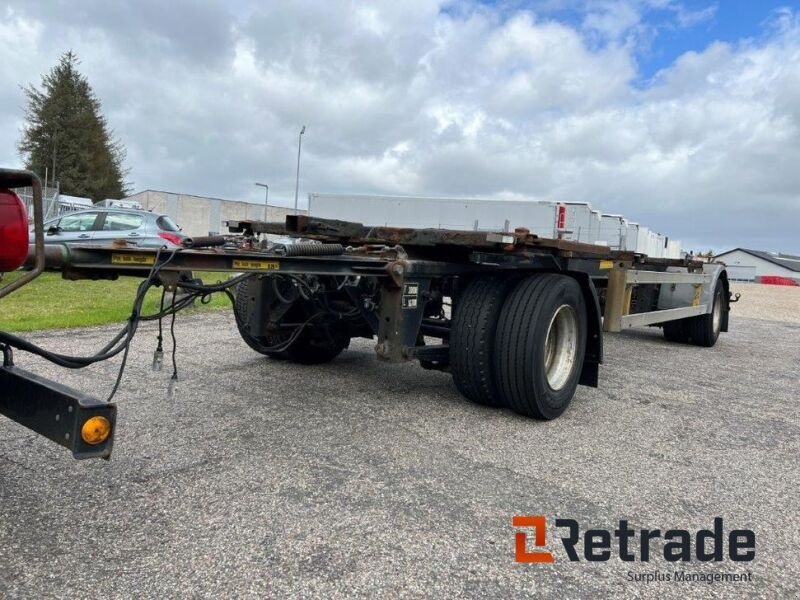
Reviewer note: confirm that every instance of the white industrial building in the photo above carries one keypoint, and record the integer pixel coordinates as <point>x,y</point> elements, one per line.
<point>748,265</point>
<point>199,215</point>
<point>196,215</point>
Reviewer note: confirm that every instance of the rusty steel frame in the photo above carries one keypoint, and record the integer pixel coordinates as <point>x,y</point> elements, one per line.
<point>395,256</point>
<point>409,238</point>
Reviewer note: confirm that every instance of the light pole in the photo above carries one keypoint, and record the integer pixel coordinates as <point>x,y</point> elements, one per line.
<point>297,180</point>
<point>266,198</point>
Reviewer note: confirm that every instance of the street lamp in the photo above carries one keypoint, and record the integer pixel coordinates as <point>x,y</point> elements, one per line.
<point>297,180</point>
<point>266,199</point>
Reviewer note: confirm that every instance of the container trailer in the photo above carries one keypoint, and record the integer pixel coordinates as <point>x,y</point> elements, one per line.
<point>516,318</point>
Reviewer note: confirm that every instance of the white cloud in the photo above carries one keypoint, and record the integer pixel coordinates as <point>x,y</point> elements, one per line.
<point>688,18</point>
<point>432,97</point>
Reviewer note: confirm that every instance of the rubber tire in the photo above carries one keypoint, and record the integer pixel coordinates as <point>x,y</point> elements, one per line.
<point>305,350</point>
<point>701,329</point>
<point>675,331</point>
<point>472,338</point>
<point>239,312</point>
<point>519,351</point>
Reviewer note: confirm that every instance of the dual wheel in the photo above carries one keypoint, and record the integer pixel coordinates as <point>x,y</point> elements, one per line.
<point>520,343</point>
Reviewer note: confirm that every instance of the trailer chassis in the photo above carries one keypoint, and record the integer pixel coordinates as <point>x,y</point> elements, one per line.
<point>523,326</point>
<point>416,269</point>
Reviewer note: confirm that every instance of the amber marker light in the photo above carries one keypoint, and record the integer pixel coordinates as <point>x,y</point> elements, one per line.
<point>96,430</point>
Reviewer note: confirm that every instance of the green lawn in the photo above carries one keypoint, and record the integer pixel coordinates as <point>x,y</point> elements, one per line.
<point>50,302</point>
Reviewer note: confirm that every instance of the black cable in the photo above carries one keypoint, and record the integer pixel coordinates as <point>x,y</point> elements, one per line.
<point>158,355</point>
<point>119,374</point>
<point>122,339</point>
<point>141,292</point>
<point>74,362</point>
<point>136,315</point>
<point>114,341</point>
<point>174,341</point>
<point>160,347</point>
<point>278,294</point>
<point>217,287</point>
<point>185,302</point>
<point>8,355</point>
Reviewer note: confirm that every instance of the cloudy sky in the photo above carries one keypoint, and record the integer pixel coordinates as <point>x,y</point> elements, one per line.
<point>684,116</point>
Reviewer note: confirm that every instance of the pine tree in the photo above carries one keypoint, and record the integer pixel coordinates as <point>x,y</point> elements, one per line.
<point>65,126</point>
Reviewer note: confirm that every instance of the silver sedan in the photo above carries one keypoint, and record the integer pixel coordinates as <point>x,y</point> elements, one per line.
<point>104,225</point>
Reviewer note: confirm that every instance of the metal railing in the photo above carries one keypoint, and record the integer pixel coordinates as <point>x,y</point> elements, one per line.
<point>50,201</point>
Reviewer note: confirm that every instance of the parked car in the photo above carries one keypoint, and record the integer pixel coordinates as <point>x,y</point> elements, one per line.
<point>101,226</point>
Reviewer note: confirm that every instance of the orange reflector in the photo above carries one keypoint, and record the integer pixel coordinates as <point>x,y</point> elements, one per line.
<point>96,430</point>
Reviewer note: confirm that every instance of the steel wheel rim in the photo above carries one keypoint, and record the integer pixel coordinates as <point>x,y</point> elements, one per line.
<point>561,346</point>
<point>717,314</point>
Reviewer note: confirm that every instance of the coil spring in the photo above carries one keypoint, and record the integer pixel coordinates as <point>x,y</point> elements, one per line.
<point>311,249</point>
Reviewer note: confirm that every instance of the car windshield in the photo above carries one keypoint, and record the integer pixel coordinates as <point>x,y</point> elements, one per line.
<point>166,224</point>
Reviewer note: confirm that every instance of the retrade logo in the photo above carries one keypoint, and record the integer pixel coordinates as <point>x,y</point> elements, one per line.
<point>598,545</point>
<point>521,553</point>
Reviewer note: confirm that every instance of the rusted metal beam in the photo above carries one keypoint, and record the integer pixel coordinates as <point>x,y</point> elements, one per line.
<point>615,298</point>
<point>357,233</point>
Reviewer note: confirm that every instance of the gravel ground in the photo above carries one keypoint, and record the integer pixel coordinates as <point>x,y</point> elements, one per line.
<point>768,302</point>
<point>261,478</point>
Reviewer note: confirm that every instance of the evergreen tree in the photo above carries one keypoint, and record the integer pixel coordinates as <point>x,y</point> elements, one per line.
<point>65,127</point>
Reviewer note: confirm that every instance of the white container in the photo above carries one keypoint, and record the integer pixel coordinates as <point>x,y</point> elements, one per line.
<point>580,222</point>
<point>614,230</point>
<point>439,213</point>
<point>595,228</point>
<point>653,245</point>
<point>673,249</point>
<point>632,237</point>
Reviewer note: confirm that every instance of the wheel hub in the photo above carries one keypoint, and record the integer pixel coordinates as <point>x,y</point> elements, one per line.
<point>561,346</point>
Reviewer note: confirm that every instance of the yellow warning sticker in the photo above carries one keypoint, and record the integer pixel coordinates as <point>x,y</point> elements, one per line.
<point>606,264</point>
<point>698,291</point>
<point>133,259</point>
<point>256,265</point>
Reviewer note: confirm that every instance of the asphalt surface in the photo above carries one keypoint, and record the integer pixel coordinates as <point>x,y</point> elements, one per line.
<point>262,478</point>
